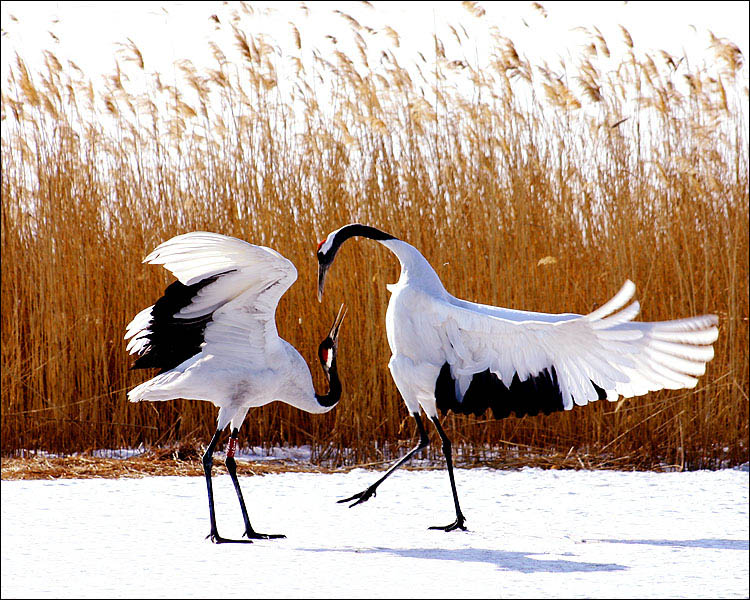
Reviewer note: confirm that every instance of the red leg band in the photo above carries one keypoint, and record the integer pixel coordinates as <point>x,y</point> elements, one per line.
<point>231,447</point>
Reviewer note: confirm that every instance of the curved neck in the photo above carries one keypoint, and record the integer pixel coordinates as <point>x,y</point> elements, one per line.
<point>333,396</point>
<point>330,246</point>
<point>415,270</point>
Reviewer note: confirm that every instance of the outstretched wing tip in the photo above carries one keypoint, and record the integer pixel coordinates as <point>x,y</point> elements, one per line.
<point>605,354</point>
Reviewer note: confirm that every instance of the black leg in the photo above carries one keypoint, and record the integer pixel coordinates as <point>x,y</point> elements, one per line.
<point>232,468</point>
<point>459,522</point>
<point>208,463</point>
<point>424,441</point>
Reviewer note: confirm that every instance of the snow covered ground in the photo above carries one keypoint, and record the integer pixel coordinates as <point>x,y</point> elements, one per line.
<point>533,533</point>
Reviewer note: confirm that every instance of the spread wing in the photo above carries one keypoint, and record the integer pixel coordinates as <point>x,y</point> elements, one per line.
<point>223,304</point>
<point>582,357</point>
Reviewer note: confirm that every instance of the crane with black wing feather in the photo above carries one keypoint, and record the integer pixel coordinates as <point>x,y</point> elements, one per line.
<point>213,337</point>
<point>452,355</point>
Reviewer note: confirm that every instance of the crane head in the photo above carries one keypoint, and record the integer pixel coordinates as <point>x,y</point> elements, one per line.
<point>328,248</point>
<point>328,347</point>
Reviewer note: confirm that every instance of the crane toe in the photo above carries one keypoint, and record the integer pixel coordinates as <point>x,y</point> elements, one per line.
<point>254,535</point>
<point>361,497</point>
<point>457,524</point>
<point>217,539</point>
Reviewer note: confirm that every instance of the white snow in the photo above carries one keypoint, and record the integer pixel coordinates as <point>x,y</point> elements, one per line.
<point>533,533</point>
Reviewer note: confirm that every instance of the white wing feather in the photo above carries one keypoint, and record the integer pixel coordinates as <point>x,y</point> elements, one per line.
<point>604,347</point>
<point>243,300</point>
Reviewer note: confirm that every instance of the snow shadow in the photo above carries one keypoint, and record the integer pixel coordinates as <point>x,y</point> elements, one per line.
<point>711,544</point>
<point>522,562</point>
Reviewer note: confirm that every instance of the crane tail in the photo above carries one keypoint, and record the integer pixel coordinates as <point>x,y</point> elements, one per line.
<point>157,389</point>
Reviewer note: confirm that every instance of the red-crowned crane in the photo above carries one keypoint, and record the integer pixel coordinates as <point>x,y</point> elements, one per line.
<point>213,336</point>
<point>450,354</point>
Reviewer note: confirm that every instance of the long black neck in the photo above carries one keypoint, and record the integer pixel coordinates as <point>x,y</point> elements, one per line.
<point>334,388</point>
<point>356,229</point>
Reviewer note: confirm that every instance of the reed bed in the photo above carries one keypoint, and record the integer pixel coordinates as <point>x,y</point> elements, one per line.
<point>524,186</point>
<point>185,460</point>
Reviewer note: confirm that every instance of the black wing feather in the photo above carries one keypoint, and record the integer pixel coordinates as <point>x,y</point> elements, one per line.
<point>172,340</point>
<point>539,393</point>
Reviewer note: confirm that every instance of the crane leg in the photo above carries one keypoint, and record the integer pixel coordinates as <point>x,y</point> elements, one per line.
<point>424,441</point>
<point>231,464</point>
<point>459,522</point>
<point>208,463</point>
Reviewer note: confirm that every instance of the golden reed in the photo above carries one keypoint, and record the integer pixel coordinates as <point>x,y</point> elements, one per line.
<point>543,201</point>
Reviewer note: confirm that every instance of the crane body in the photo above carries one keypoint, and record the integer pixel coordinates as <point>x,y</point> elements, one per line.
<point>213,337</point>
<point>449,354</point>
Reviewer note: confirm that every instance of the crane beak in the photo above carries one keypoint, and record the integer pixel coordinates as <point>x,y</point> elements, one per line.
<point>322,270</point>
<point>334,333</point>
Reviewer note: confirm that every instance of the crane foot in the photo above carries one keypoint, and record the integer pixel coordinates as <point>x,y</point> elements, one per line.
<point>363,496</point>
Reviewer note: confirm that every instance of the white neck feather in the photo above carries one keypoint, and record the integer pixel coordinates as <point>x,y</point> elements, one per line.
<point>415,270</point>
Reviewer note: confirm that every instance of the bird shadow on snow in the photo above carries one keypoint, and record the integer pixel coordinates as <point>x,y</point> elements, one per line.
<point>711,544</point>
<point>507,561</point>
